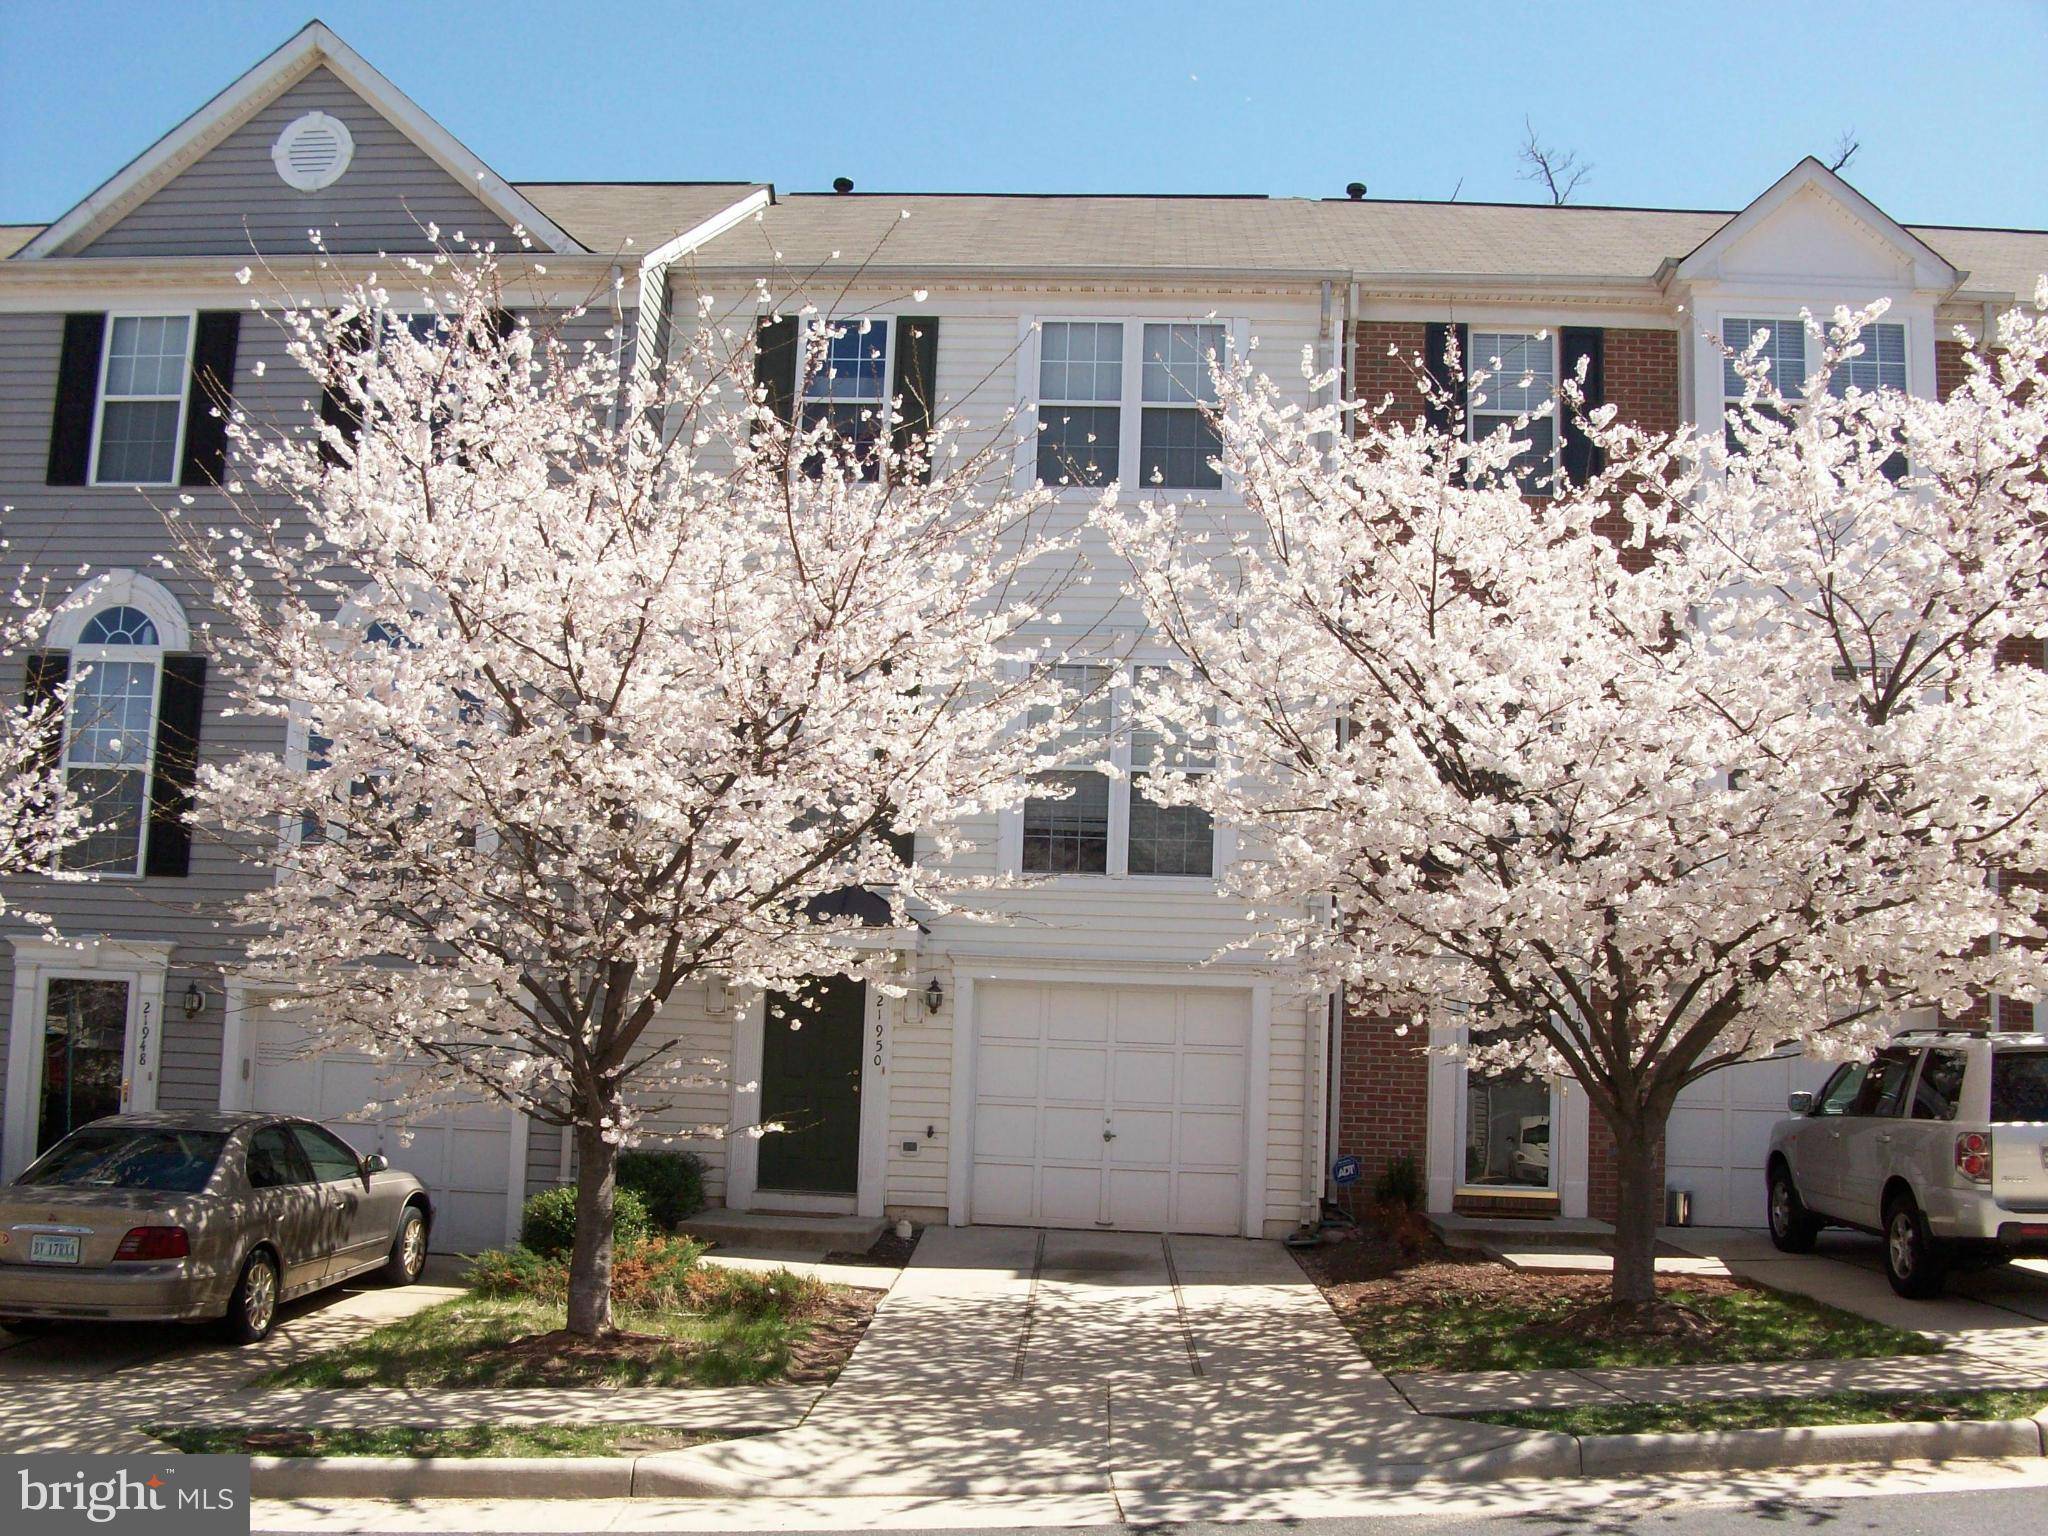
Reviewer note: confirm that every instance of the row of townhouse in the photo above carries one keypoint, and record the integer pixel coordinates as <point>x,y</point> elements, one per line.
<point>1091,1062</point>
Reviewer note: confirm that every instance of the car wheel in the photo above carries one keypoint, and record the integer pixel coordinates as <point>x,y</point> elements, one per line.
<point>28,1327</point>
<point>1913,1261</point>
<point>253,1307</point>
<point>408,1248</point>
<point>1793,1227</point>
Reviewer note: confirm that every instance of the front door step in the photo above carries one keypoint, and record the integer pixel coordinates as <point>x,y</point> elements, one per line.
<point>1481,1232</point>
<point>785,1229</point>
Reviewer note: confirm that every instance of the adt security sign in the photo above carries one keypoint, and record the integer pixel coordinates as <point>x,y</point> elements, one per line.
<point>1346,1170</point>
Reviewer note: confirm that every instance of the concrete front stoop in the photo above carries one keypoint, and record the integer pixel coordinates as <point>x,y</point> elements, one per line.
<point>785,1230</point>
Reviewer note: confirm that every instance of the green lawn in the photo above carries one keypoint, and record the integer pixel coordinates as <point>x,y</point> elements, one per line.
<point>1771,1412</point>
<point>469,1342</point>
<point>1471,1331</point>
<point>469,1440</point>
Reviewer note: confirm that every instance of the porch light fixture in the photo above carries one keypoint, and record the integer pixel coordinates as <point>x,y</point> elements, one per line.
<point>194,1000</point>
<point>934,996</point>
<point>714,994</point>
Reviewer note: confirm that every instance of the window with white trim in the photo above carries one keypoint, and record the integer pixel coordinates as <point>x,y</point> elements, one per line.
<point>849,386</point>
<point>1104,823</point>
<point>1096,379</point>
<point>1521,382</point>
<point>1784,349</point>
<point>143,380</point>
<point>1882,364</point>
<point>110,734</point>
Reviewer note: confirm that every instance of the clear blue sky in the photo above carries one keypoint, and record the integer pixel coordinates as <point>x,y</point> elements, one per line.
<point>1702,105</point>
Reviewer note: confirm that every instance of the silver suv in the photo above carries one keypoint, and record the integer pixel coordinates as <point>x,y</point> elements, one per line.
<point>1939,1144</point>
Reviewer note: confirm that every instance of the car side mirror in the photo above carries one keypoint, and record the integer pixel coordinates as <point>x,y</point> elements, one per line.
<point>1800,1103</point>
<point>376,1162</point>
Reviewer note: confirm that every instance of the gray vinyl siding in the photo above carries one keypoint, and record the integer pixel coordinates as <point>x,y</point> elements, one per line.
<point>543,1156</point>
<point>232,201</point>
<point>58,530</point>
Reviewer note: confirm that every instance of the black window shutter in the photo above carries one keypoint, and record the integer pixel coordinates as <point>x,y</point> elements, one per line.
<point>1446,415</point>
<point>213,387</point>
<point>337,409</point>
<point>775,364</point>
<point>78,383</point>
<point>504,322</point>
<point>1581,457</point>
<point>916,383</point>
<point>176,766</point>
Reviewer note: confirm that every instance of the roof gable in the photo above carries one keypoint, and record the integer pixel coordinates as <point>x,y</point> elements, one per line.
<point>409,158</point>
<point>1810,223</point>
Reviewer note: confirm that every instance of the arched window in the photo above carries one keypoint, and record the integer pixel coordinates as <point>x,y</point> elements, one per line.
<point>110,736</point>
<point>128,642</point>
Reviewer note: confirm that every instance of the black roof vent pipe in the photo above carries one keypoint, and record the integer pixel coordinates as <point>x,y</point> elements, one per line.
<point>842,184</point>
<point>1355,190</point>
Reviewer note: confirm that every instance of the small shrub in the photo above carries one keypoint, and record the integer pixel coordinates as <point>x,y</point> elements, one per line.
<point>671,1183</point>
<point>547,1222</point>
<point>1399,1183</point>
<point>754,1294</point>
<point>1403,1226</point>
<point>649,1273</point>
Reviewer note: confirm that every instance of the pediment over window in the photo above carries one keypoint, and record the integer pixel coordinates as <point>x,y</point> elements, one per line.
<point>1811,228</point>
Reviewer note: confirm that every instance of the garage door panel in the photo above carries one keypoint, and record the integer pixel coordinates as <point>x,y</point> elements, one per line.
<point>1143,1136</point>
<point>1006,1130</point>
<point>1075,1073</point>
<point>1147,1018</point>
<point>1069,1197</point>
<point>1144,1077</point>
<point>1007,1070</point>
<point>1211,1140</point>
<point>1213,1017</point>
<point>1072,1134</point>
<point>1212,1080</point>
<point>1004,1191</point>
<point>1075,1015</point>
<point>1009,1013</point>
<point>1138,1197</point>
<point>1208,1202</point>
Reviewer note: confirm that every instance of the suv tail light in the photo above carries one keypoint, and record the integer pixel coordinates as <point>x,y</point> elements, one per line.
<point>1973,1156</point>
<point>154,1243</point>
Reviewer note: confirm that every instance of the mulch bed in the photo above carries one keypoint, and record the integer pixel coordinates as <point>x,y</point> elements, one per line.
<point>1368,1272</point>
<point>816,1359</point>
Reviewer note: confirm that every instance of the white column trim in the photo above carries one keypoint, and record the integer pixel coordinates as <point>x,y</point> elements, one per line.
<point>515,1181</point>
<point>1258,1087</point>
<point>960,1154</point>
<point>878,1034</point>
<point>743,1147</point>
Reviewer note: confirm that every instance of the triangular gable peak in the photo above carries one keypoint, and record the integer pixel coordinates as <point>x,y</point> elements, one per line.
<point>1812,225</point>
<point>217,183</point>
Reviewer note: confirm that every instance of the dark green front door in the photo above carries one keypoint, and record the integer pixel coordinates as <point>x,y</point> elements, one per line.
<point>810,1083</point>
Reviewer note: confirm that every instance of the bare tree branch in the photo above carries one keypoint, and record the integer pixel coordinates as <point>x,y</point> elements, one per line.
<point>1559,171</point>
<point>1846,145</point>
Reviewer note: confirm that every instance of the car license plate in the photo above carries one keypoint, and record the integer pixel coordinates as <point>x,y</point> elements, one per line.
<point>50,1248</point>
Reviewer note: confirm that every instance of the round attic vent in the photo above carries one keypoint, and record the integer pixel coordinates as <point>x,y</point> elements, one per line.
<point>313,151</point>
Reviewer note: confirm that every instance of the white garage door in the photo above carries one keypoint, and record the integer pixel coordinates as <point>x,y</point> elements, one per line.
<point>1721,1130</point>
<point>463,1156</point>
<point>1110,1107</point>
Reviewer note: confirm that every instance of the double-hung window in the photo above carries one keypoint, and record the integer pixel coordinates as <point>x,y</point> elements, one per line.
<point>1784,349</point>
<point>1521,382</point>
<point>109,736</point>
<point>1882,365</point>
<point>1103,823</point>
<point>144,375</point>
<point>847,387</point>
<point>1080,394</point>
<point>1127,401</point>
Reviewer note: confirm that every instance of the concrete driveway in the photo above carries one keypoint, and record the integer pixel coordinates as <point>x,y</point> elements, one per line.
<point>1012,1361</point>
<point>85,1388</point>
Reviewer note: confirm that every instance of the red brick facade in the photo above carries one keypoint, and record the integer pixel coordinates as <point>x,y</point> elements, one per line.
<point>1382,1076</point>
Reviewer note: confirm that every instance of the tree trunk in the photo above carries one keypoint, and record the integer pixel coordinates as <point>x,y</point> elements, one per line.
<point>590,1258</point>
<point>1638,1214</point>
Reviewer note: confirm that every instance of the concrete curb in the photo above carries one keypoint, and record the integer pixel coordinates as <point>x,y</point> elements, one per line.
<point>1537,1455</point>
<point>1751,1450</point>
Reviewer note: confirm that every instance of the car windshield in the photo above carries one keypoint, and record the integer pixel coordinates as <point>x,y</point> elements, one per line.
<point>2019,1086</point>
<point>130,1157</point>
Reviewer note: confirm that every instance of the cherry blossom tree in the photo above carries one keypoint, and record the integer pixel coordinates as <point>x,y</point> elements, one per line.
<point>39,817</point>
<point>1709,753</point>
<point>608,681</point>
